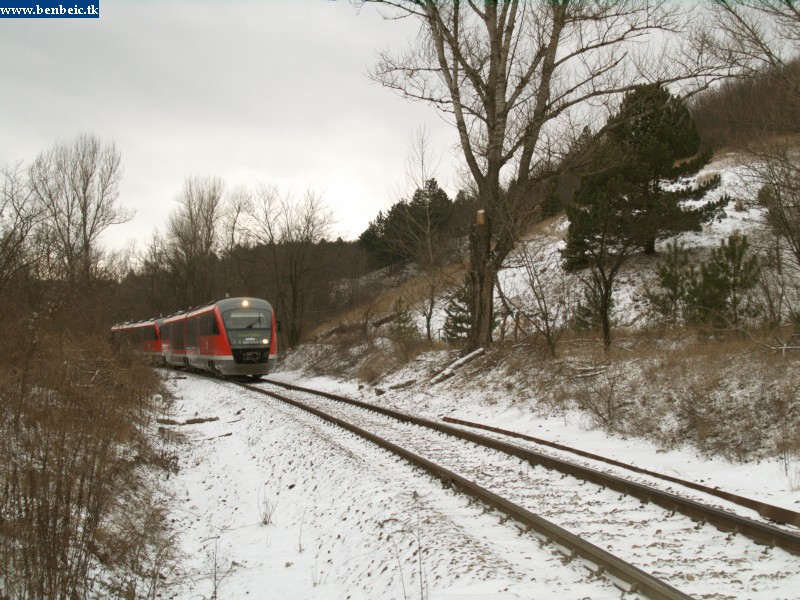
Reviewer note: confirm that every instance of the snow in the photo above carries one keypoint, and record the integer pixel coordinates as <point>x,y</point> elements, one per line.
<point>349,520</point>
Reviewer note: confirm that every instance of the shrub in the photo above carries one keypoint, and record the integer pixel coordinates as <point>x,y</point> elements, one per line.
<point>673,279</point>
<point>458,315</point>
<point>71,438</point>
<point>720,295</point>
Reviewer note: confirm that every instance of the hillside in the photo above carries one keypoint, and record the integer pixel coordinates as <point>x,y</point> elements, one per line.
<point>268,498</point>
<point>696,389</point>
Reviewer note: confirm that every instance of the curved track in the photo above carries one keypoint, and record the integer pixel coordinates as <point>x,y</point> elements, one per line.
<point>555,504</point>
<point>774,513</point>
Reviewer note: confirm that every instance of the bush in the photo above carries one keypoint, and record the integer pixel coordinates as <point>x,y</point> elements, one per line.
<point>72,436</point>
<point>458,315</point>
<point>405,334</point>
<point>673,278</point>
<point>720,295</point>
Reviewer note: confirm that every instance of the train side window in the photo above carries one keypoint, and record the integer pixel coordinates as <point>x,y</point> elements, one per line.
<point>206,324</point>
<point>178,342</point>
<point>191,332</point>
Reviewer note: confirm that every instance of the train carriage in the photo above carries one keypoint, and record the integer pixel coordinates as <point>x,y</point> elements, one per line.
<point>143,337</point>
<point>173,340</point>
<point>234,336</point>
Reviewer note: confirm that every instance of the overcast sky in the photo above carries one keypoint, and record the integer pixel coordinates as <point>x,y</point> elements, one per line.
<point>266,91</point>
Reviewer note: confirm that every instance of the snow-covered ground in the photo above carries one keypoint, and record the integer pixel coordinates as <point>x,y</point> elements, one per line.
<point>350,521</point>
<point>345,520</point>
<point>743,214</point>
<point>269,503</point>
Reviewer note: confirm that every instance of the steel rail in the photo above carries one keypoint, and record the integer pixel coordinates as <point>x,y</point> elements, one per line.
<point>602,561</point>
<point>766,510</point>
<point>724,520</point>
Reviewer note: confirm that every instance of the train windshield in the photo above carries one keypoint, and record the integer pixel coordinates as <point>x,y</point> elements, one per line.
<point>248,325</point>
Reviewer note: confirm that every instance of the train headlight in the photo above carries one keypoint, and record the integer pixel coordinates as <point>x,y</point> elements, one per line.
<point>265,341</point>
<point>245,302</point>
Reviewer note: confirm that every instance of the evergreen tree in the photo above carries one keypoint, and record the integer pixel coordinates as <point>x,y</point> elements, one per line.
<point>622,205</point>
<point>375,242</point>
<point>599,238</point>
<point>719,295</point>
<point>656,138</point>
<point>674,276</point>
<point>404,332</point>
<point>403,326</point>
<point>394,237</point>
<point>459,316</point>
<point>645,153</point>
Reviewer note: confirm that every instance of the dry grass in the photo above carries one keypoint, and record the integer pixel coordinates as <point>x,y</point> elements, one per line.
<point>734,398</point>
<point>76,517</point>
<point>729,396</point>
<point>410,288</point>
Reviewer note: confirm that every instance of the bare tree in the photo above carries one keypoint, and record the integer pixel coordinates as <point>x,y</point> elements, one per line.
<point>238,205</point>
<point>423,236</point>
<point>234,238</point>
<point>421,165</point>
<point>153,269</point>
<point>433,250</point>
<point>754,35</point>
<point>77,186</point>
<point>762,39</point>
<point>509,74</point>
<point>779,175</point>
<point>19,214</point>
<point>550,309</point>
<point>287,230</point>
<point>193,239</point>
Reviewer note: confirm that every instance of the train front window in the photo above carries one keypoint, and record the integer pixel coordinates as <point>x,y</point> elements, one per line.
<point>248,325</point>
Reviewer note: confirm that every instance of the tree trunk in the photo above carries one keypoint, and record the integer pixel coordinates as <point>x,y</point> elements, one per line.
<point>482,276</point>
<point>606,326</point>
<point>606,293</point>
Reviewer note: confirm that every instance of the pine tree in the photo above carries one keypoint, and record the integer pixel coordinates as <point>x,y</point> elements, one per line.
<point>395,236</point>
<point>622,205</point>
<point>404,332</point>
<point>403,326</point>
<point>599,235</point>
<point>719,295</point>
<point>458,319</point>
<point>655,135</point>
<point>674,277</point>
<point>643,155</point>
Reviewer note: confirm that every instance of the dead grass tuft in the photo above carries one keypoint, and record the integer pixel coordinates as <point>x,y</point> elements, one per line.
<point>73,440</point>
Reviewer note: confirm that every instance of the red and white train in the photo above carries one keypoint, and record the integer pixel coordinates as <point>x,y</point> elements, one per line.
<point>234,336</point>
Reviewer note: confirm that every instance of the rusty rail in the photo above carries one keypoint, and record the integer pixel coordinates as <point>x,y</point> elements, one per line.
<point>726,521</point>
<point>599,561</point>
<point>768,511</point>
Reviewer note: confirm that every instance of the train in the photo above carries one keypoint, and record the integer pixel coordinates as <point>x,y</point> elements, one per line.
<point>229,337</point>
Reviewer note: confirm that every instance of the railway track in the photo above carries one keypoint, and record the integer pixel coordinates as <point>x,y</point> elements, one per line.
<point>591,515</point>
<point>776,514</point>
